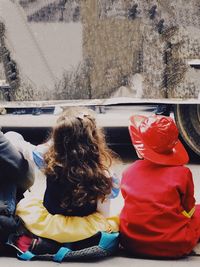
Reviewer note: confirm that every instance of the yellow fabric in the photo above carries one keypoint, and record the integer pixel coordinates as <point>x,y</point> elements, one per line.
<point>191,212</point>
<point>62,228</point>
<point>188,214</point>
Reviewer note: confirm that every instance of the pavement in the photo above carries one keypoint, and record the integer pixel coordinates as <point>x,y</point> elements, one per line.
<point>108,262</point>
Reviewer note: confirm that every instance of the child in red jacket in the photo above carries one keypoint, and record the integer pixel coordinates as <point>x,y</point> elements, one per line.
<point>159,217</point>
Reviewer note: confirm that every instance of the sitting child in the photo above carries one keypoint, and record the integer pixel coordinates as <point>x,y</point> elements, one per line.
<point>79,185</point>
<point>159,217</point>
<point>16,177</point>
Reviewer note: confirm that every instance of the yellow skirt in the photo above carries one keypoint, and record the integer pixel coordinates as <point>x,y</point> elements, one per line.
<point>59,227</point>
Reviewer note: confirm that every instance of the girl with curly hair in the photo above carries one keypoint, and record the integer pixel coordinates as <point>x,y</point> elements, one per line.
<point>79,183</point>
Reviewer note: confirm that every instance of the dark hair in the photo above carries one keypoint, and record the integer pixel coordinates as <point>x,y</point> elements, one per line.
<point>79,158</point>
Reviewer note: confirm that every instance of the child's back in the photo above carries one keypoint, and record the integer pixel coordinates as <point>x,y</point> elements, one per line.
<point>155,217</point>
<point>159,217</point>
<point>76,165</point>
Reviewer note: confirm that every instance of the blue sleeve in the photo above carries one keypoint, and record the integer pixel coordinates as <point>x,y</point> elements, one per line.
<point>116,187</point>
<point>38,159</point>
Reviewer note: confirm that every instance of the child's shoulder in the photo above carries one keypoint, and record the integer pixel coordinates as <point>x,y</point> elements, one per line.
<point>181,168</point>
<point>134,165</point>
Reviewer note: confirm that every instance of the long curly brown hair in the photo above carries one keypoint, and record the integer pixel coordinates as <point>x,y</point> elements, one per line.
<point>79,158</point>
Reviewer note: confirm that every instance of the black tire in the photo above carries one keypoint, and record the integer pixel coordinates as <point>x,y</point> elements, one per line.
<point>187,117</point>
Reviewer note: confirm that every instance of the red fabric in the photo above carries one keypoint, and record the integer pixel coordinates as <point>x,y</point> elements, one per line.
<point>154,136</point>
<point>151,222</point>
<point>159,133</point>
<point>24,242</point>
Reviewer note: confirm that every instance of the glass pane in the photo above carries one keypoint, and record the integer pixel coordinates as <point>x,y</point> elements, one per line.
<point>98,49</point>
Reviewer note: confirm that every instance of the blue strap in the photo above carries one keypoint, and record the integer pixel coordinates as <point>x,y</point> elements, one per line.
<point>26,256</point>
<point>109,241</point>
<point>62,252</point>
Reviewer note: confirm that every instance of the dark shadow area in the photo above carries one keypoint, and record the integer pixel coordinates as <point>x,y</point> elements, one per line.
<point>118,140</point>
<point>194,158</point>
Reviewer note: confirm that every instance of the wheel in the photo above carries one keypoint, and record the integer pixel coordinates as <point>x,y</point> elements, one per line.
<point>187,117</point>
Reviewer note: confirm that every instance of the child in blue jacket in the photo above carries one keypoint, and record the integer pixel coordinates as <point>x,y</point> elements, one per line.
<point>16,176</point>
